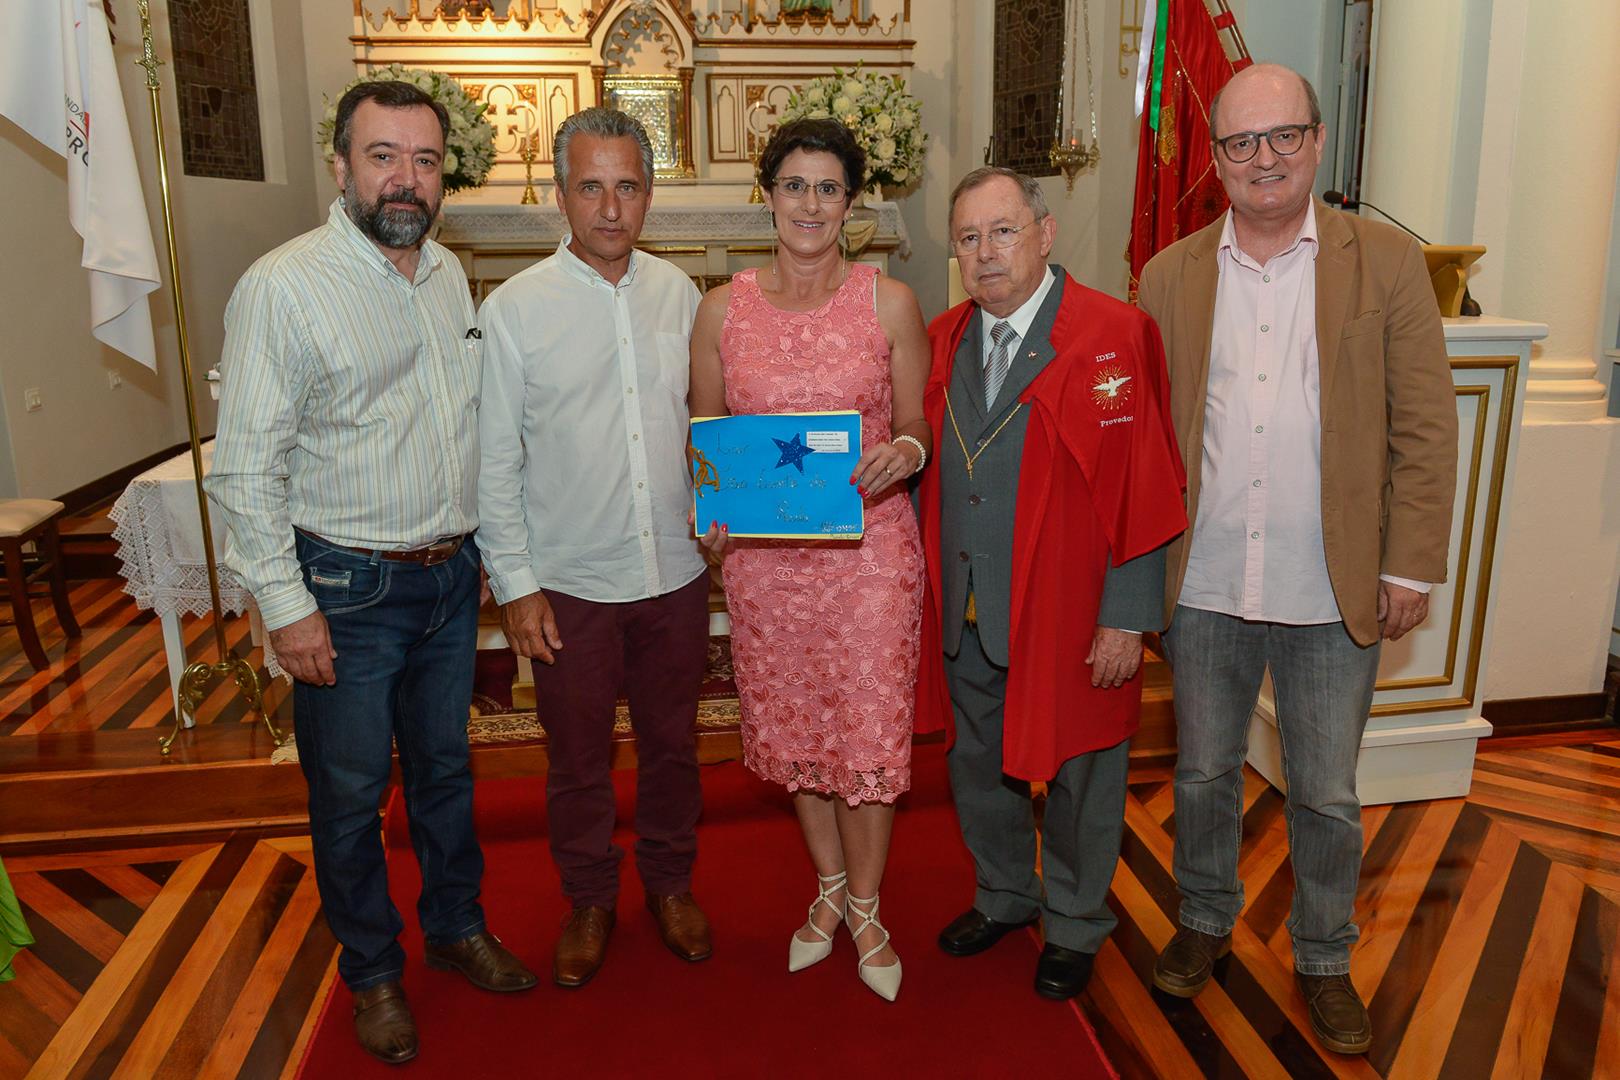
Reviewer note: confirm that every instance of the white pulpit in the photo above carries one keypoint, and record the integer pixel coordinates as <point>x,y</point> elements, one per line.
<point>1425,720</point>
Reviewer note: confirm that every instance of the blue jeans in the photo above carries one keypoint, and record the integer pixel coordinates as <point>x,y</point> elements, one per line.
<point>1323,686</point>
<point>405,637</point>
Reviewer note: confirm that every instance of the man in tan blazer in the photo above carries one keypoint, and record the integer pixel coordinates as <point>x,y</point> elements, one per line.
<point>1312,396</point>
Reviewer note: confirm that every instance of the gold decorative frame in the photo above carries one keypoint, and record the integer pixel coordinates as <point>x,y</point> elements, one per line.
<point>663,103</point>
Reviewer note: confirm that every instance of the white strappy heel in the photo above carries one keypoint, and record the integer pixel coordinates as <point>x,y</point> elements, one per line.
<point>883,981</point>
<point>801,953</point>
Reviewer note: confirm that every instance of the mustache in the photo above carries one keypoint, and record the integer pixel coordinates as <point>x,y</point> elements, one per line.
<point>403,195</point>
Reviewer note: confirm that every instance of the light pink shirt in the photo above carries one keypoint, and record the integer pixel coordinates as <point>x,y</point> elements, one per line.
<point>1257,548</point>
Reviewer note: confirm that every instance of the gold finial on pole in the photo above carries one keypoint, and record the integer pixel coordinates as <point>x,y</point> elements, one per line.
<point>194,681</point>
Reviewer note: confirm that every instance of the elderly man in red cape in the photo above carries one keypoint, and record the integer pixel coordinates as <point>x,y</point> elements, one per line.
<point>1044,521</point>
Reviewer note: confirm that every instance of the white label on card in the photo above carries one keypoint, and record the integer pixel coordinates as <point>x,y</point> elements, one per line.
<point>827,442</point>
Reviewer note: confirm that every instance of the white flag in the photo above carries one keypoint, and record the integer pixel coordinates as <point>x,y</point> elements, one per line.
<point>58,83</point>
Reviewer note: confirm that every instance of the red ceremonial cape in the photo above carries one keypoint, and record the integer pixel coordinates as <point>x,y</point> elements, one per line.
<point>1100,475</point>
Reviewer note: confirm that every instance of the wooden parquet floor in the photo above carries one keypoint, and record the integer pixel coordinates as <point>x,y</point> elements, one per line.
<point>1490,925</point>
<point>203,960</point>
<point>115,677</point>
<point>1488,945</point>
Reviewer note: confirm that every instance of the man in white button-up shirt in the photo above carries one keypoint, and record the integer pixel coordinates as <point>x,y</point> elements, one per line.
<point>583,498</point>
<point>1314,403</point>
<point>344,467</point>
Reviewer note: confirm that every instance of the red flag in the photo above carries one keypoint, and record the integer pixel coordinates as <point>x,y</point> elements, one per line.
<point>1177,191</point>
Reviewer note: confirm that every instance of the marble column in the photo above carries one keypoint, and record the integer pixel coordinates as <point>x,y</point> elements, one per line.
<point>1508,139</point>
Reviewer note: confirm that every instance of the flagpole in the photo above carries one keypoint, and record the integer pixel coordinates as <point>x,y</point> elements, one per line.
<point>196,678</point>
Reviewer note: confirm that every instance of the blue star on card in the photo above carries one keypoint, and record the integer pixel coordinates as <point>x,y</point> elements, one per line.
<point>793,453</point>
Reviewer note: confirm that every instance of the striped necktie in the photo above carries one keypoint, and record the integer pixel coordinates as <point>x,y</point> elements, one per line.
<point>995,368</point>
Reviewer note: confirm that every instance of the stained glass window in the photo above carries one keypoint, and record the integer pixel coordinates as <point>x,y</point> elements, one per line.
<point>219,102</point>
<point>1027,83</point>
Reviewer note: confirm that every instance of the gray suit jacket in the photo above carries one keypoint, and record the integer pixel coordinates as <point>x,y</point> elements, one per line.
<point>977,513</point>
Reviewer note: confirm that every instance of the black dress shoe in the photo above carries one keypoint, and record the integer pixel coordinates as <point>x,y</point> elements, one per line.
<point>1062,973</point>
<point>974,932</point>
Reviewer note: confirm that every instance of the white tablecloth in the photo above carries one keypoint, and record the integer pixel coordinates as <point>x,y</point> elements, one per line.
<point>159,534</point>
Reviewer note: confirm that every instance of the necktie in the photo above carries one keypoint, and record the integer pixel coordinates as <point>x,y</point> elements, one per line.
<point>995,369</point>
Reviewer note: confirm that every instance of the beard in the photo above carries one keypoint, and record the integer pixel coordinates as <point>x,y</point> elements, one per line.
<point>392,227</point>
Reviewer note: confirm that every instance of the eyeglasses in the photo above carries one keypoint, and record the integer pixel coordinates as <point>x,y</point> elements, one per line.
<point>797,187</point>
<point>1284,140</point>
<point>1001,238</point>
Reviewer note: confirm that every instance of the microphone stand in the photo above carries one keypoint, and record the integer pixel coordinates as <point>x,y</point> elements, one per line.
<point>1470,306</point>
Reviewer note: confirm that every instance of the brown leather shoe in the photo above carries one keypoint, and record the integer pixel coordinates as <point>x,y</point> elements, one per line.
<point>487,963</point>
<point>582,946</point>
<point>1338,1017</point>
<point>682,925</point>
<point>383,1022</point>
<point>1185,965</point>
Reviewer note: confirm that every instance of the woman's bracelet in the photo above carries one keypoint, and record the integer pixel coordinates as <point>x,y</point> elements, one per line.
<point>922,455</point>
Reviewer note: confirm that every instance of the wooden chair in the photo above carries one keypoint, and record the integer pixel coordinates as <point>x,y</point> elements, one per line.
<point>33,521</point>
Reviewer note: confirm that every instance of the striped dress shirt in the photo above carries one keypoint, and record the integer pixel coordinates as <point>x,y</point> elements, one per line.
<point>348,407</point>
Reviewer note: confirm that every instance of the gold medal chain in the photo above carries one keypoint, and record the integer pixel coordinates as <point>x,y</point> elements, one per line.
<point>971,458</point>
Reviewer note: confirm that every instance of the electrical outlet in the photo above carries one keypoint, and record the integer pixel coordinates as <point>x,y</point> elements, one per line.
<point>114,380</point>
<point>31,399</point>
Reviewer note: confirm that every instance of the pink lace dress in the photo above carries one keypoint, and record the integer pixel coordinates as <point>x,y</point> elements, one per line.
<point>824,634</point>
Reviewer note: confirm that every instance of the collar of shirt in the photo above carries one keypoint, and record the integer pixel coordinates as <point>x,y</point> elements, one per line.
<point>584,271</point>
<point>1307,235</point>
<point>1021,319</point>
<point>338,220</point>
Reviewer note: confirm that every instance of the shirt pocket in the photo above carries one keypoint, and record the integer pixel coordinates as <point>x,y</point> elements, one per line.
<point>674,362</point>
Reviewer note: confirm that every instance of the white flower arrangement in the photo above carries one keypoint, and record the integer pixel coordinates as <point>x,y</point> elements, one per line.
<point>885,120</point>
<point>469,149</point>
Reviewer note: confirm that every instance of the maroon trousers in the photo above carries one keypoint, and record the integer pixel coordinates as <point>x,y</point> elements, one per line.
<point>654,651</point>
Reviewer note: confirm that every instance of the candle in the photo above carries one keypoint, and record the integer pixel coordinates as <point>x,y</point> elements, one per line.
<point>528,123</point>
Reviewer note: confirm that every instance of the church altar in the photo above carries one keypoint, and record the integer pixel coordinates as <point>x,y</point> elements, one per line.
<point>1426,714</point>
<point>709,241</point>
<point>709,79</point>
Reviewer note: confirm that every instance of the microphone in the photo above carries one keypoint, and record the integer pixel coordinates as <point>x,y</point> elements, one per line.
<point>1470,306</point>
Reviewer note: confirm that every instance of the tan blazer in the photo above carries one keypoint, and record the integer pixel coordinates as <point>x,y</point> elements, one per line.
<point>1389,413</point>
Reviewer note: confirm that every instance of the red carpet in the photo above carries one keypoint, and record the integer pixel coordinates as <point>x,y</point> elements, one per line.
<point>738,1014</point>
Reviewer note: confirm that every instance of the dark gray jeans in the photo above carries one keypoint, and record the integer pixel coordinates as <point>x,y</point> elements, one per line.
<point>1323,687</point>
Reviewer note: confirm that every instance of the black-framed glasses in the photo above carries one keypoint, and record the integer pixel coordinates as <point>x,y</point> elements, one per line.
<point>1001,238</point>
<point>797,187</point>
<point>1284,139</point>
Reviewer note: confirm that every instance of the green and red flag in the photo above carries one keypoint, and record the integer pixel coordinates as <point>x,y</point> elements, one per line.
<point>1182,65</point>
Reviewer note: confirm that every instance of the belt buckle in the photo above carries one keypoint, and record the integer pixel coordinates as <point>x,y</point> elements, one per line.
<point>441,552</point>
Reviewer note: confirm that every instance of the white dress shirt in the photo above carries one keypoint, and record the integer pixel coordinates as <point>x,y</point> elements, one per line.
<point>584,486</point>
<point>348,402</point>
<point>1019,321</point>
<point>1257,550</point>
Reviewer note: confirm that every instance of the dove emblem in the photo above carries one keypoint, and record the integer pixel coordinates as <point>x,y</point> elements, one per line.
<point>1112,388</point>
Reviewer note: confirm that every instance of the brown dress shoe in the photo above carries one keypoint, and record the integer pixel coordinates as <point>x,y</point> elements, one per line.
<point>1185,965</point>
<point>682,925</point>
<point>383,1022</point>
<point>582,946</point>
<point>1338,1017</point>
<point>487,963</point>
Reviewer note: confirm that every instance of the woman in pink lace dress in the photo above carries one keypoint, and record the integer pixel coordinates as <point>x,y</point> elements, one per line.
<point>824,634</point>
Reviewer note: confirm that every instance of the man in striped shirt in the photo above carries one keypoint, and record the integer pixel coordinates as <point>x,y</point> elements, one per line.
<point>346,468</point>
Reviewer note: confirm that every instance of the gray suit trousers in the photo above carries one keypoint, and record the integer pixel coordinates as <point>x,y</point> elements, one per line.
<point>1080,834</point>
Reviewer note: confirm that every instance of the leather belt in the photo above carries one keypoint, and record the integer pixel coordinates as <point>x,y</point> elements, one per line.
<point>440,551</point>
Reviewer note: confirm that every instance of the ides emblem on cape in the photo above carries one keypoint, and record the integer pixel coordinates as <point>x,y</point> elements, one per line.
<point>1112,388</point>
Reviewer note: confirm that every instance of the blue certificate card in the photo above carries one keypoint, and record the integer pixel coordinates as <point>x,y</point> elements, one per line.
<point>778,475</point>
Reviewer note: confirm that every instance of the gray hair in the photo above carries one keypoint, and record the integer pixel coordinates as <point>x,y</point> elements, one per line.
<point>1311,102</point>
<point>604,123</point>
<point>1028,185</point>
